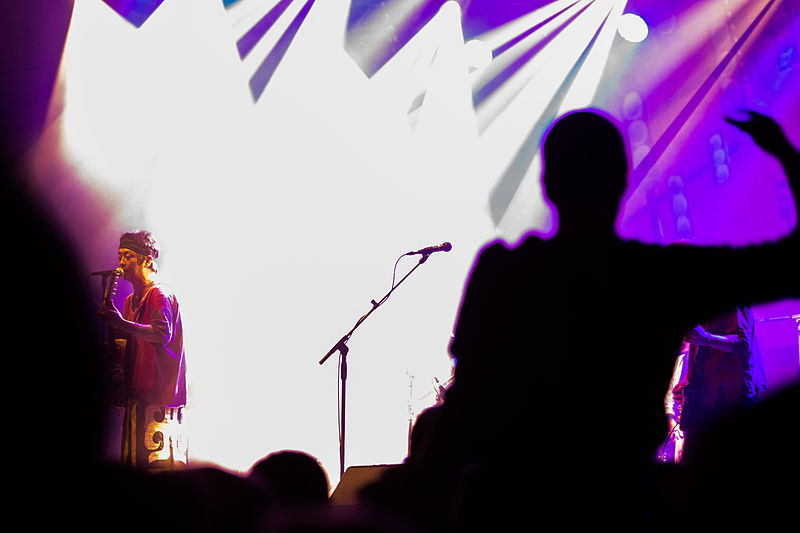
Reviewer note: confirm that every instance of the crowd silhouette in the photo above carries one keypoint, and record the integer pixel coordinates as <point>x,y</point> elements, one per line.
<point>591,322</point>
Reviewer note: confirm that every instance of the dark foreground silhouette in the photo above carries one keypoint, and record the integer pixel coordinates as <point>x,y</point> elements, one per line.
<point>564,348</point>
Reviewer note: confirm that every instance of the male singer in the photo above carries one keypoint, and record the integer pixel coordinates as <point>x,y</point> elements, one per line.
<point>153,435</point>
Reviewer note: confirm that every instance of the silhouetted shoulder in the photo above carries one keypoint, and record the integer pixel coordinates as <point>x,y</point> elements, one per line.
<point>485,311</point>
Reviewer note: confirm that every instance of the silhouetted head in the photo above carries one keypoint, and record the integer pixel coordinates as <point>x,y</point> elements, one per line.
<point>294,478</point>
<point>585,169</point>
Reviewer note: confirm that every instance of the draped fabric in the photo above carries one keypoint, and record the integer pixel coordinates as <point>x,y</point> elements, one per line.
<point>154,437</point>
<point>157,371</point>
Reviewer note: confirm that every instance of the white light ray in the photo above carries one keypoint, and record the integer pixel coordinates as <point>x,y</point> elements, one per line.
<point>245,13</point>
<point>502,34</point>
<point>493,105</point>
<point>444,109</point>
<point>479,54</point>
<point>368,41</point>
<point>90,112</point>
<point>505,134</point>
<point>584,86</point>
<point>406,75</point>
<point>265,45</point>
<point>698,21</point>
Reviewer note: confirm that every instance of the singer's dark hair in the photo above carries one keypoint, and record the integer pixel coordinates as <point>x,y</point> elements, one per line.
<point>148,242</point>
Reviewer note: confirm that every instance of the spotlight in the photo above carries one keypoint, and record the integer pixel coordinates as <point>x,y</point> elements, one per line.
<point>632,28</point>
<point>479,54</point>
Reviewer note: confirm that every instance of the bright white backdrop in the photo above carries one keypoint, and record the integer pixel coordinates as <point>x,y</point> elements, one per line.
<point>281,219</point>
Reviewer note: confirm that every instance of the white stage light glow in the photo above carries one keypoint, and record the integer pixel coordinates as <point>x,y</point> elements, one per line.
<point>586,82</point>
<point>305,199</point>
<point>479,54</point>
<point>633,28</point>
<point>509,114</point>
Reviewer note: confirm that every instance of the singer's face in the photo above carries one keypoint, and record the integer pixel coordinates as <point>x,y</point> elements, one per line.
<point>128,261</point>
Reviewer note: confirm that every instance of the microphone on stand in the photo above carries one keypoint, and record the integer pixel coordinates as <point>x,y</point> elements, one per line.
<point>116,271</point>
<point>444,247</point>
<point>111,288</point>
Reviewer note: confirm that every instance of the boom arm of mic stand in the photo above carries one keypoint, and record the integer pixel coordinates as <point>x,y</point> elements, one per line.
<point>342,344</point>
<point>342,347</point>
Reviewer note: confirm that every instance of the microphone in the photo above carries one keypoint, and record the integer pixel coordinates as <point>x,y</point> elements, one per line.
<point>444,247</point>
<point>116,271</point>
<point>111,289</point>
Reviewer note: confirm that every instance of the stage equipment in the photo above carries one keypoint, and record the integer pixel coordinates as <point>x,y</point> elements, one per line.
<point>444,247</point>
<point>354,480</point>
<point>113,348</point>
<point>341,345</point>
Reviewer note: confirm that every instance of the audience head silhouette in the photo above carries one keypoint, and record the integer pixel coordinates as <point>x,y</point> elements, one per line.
<point>293,478</point>
<point>585,170</point>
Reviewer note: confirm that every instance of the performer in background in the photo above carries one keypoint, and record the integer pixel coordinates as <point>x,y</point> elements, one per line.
<point>725,370</point>
<point>672,448</point>
<point>153,434</point>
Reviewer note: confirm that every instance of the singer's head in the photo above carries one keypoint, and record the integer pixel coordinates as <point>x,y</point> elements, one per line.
<point>137,254</point>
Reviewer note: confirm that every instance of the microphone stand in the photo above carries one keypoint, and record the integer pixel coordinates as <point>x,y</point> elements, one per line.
<point>113,359</point>
<point>104,329</point>
<point>341,347</point>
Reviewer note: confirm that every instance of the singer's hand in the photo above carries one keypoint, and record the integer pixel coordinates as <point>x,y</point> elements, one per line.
<point>111,315</point>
